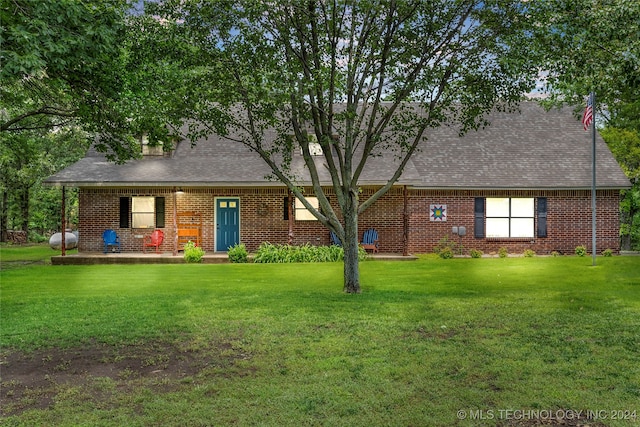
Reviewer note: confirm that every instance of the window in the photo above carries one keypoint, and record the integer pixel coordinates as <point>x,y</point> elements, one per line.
<point>143,212</point>
<point>510,217</point>
<point>146,212</point>
<point>315,149</point>
<point>302,213</point>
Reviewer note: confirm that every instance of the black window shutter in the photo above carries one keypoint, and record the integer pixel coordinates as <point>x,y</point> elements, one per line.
<point>478,224</point>
<point>286,208</point>
<point>124,212</point>
<point>159,212</point>
<point>542,217</point>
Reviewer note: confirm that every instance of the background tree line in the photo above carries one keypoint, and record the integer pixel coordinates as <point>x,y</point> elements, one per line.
<point>73,70</point>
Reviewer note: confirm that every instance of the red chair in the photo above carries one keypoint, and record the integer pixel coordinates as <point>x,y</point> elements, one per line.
<point>153,239</point>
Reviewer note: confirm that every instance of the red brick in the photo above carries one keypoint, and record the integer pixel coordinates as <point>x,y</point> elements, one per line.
<point>262,219</point>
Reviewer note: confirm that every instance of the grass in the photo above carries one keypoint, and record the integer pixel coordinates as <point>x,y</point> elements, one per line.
<point>19,255</point>
<point>282,345</point>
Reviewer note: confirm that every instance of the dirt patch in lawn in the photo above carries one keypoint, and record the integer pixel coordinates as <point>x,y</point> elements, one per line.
<point>559,417</point>
<point>581,421</point>
<point>101,372</point>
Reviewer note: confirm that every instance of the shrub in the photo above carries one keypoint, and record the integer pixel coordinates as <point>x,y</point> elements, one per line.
<point>607,253</point>
<point>445,253</point>
<point>36,237</point>
<point>267,253</point>
<point>502,252</point>
<point>270,253</point>
<point>581,250</point>
<point>555,254</point>
<point>446,248</point>
<point>529,253</point>
<point>362,254</point>
<point>476,253</point>
<point>238,253</point>
<point>193,253</point>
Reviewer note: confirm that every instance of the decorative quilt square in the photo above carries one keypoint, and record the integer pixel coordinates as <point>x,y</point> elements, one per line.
<point>438,213</point>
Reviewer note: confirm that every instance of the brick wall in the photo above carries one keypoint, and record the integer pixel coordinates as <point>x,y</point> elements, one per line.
<point>262,219</point>
<point>568,221</point>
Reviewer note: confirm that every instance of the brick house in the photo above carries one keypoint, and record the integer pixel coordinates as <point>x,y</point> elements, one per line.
<point>524,182</point>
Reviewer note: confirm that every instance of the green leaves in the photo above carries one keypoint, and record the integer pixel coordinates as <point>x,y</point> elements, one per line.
<point>58,38</point>
<point>270,253</point>
<point>365,78</point>
<point>590,46</point>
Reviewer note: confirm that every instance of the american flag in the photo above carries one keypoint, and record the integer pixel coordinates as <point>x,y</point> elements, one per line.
<point>587,116</point>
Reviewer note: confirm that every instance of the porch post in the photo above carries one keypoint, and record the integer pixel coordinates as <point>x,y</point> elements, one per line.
<point>290,215</point>
<point>175,222</point>
<point>63,236</point>
<point>405,223</point>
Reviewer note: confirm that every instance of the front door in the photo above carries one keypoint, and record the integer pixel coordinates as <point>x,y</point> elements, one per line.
<point>227,223</point>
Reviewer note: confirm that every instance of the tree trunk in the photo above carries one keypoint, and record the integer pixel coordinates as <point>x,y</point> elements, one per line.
<point>633,213</point>
<point>24,209</point>
<point>350,246</point>
<point>4,216</point>
<point>626,224</point>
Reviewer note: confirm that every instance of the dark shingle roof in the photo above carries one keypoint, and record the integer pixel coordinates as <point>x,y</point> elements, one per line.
<point>532,149</point>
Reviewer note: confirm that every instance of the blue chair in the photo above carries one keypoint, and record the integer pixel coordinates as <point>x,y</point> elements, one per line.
<point>370,240</point>
<point>335,240</point>
<point>110,238</point>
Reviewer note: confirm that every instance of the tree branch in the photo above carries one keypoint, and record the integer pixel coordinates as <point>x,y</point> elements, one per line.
<point>43,111</point>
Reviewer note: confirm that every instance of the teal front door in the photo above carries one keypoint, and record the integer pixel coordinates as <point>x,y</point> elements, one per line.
<point>227,223</point>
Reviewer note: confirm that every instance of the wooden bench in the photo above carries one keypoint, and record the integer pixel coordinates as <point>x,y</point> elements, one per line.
<point>189,228</point>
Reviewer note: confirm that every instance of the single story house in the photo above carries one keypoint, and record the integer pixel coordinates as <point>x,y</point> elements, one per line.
<point>524,182</point>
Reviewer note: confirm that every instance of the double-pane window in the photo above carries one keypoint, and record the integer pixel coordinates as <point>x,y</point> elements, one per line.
<point>143,212</point>
<point>302,213</point>
<point>510,217</point>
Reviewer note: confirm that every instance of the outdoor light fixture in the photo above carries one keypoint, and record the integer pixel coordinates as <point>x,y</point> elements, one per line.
<point>179,191</point>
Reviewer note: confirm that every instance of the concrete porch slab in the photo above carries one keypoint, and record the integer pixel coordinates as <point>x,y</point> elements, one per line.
<point>95,258</point>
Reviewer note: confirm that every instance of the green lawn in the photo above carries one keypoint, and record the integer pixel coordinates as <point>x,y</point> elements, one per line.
<point>282,345</point>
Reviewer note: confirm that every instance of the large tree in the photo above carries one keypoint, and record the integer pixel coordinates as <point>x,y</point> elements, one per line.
<point>67,62</point>
<point>594,46</point>
<point>362,77</point>
<point>26,158</point>
<point>590,46</point>
<point>625,146</point>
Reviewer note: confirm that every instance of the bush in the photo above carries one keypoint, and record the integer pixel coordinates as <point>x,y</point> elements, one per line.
<point>476,253</point>
<point>502,252</point>
<point>193,253</point>
<point>446,253</point>
<point>446,248</point>
<point>581,250</point>
<point>270,253</point>
<point>555,254</point>
<point>529,253</point>
<point>36,237</point>
<point>607,253</point>
<point>238,253</point>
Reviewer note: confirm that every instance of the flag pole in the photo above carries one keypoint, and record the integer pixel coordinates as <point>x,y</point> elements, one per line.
<point>593,179</point>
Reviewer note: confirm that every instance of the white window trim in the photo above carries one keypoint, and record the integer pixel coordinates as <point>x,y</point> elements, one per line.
<point>301,213</point>
<point>137,216</point>
<point>506,225</point>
